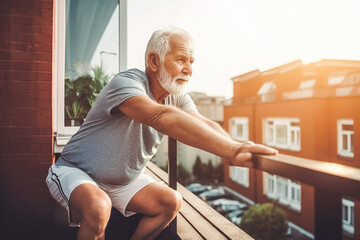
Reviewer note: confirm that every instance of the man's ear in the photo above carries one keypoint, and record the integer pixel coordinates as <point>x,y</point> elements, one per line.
<point>154,61</point>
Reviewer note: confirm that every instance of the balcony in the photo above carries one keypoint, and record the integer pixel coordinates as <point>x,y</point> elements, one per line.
<point>197,220</point>
<point>330,181</point>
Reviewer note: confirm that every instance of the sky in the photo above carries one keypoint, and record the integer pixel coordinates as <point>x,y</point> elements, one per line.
<point>233,37</point>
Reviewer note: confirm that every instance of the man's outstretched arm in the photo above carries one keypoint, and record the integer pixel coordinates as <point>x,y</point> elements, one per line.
<point>212,124</point>
<point>246,145</point>
<point>190,130</point>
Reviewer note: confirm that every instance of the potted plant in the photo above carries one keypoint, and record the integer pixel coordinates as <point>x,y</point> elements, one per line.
<point>75,112</point>
<point>81,94</point>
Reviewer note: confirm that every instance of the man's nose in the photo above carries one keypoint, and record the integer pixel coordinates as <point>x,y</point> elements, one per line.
<point>187,70</point>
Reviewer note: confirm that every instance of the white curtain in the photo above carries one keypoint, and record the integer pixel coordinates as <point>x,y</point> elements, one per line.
<point>86,21</point>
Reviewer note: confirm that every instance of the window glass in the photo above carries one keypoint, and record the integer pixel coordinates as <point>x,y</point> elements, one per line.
<point>297,195</point>
<point>286,191</point>
<point>345,144</point>
<point>298,138</point>
<point>281,134</point>
<point>91,54</point>
<point>282,188</point>
<point>239,129</point>
<point>270,135</point>
<point>348,215</point>
<point>346,137</point>
<point>345,213</point>
<point>271,185</point>
<point>347,127</point>
<point>240,175</point>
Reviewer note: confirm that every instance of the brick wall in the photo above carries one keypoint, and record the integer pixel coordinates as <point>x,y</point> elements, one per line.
<point>26,141</point>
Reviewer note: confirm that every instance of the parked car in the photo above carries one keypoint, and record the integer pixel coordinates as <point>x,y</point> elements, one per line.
<point>235,216</point>
<point>288,232</point>
<point>213,194</point>
<point>221,201</point>
<point>198,188</point>
<point>225,206</point>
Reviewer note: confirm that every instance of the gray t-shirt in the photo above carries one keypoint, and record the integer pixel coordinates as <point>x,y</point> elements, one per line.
<point>109,146</point>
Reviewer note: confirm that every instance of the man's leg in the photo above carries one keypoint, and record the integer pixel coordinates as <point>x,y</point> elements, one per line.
<point>159,204</point>
<point>90,206</point>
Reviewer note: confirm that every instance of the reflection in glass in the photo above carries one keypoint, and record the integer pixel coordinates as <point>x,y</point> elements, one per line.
<point>91,54</point>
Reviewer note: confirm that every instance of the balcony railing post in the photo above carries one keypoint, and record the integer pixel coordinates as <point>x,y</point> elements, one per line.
<point>328,216</point>
<point>172,151</point>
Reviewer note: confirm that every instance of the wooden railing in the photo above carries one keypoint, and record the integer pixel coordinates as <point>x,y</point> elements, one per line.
<point>331,181</point>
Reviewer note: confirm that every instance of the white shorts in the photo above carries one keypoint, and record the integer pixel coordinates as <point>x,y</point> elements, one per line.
<point>62,180</point>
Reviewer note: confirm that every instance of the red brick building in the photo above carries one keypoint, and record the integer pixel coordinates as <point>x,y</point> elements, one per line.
<point>309,111</point>
<point>26,119</point>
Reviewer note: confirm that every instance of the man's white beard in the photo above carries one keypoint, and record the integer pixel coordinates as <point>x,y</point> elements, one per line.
<point>170,84</point>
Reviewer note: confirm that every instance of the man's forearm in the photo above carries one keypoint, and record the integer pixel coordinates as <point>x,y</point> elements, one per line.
<point>218,128</point>
<point>190,130</point>
<point>211,123</point>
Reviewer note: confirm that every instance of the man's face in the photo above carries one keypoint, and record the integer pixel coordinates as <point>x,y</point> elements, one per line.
<point>176,70</point>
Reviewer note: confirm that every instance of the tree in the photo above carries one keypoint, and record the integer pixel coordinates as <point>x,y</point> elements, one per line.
<point>197,168</point>
<point>183,174</point>
<point>218,173</point>
<point>210,170</point>
<point>265,222</point>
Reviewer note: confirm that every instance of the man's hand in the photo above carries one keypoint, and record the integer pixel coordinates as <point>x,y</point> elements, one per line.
<point>245,153</point>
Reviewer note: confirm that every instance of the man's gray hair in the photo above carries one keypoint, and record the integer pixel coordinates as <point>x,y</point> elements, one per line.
<point>159,41</point>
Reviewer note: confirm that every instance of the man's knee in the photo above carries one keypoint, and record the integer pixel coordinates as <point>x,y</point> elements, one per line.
<point>91,206</point>
<point>97,214</point>
<point>172,203</point>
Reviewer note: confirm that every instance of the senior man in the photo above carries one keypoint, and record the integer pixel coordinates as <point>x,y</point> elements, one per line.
<point>103,163</point>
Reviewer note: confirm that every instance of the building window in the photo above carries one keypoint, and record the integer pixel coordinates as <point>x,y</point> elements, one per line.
<point>348,215</point>
<point>87,35</point>
<point>239,128</point>
<point>267,92</point>
<point>346,137</point>
<point>283,189</point>
<point>240,175</point>
<point>308,84</point>
<point>282,133</point>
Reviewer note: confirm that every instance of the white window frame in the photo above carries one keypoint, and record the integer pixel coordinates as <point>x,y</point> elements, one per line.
<point>348,133</point>
<point>269,185</point>
<point>295,203</point>
<point>244,122</point>
<point>272,190</point>
<point>349,223</point>
<point>240,175</point>
<point>64,133</point>
<point>269,133</point>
